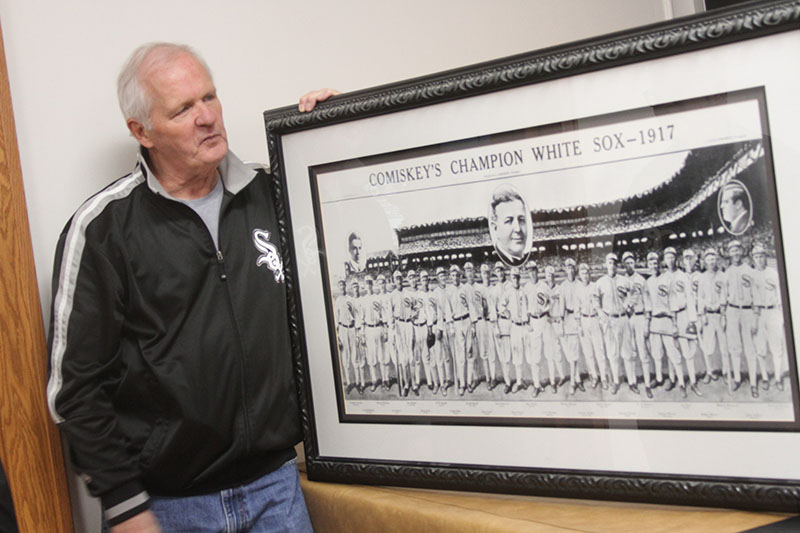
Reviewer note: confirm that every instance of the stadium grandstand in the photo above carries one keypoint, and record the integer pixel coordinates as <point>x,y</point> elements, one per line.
<point>681,212</point>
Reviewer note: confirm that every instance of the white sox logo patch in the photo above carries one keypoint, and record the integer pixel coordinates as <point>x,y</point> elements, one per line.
<point>269,254</point>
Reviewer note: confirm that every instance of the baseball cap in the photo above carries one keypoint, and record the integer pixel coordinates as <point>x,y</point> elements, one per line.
<point>709,251</point>
<point>583,266</point>
<point>532,265</point>
<point>440,270</point>
<point>380,277</point>
<point>549,270</point>
<point>627,255</point>
<point>411,274</point>
<point>468,266</point>
<point>514,271</point>
<point>734,243</point>
<point>367,279</point>
<point>484,268</point>
<point>498,266</point>
<point>611,255</point>
<point>423,274</point>
<point>758,249</point>
<point>454,268</point>
<point>569,262</point>
<point>397,275</point>
<point>688,252</point>
<point>670,250</point>
<point>652,255</point>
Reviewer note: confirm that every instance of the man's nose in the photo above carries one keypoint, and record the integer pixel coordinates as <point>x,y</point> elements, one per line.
<point>206,116</point>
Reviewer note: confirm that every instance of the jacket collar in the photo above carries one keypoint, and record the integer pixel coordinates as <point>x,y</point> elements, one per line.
<point>236,175</point>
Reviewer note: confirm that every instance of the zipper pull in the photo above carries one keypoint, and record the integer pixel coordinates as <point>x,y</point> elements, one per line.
<point>221,262</point>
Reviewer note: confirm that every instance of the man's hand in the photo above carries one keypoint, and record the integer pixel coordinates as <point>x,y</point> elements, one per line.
<point>310,99</point>
<point>141,523</point>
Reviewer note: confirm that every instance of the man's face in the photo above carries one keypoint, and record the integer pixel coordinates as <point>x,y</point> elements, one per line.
<point>630,265</point>
<point>711,262</point>
<point>534,275</point>
<point>669,260</point>
<point>343,288</point>
<point>486,278</point>
<point>501,275</point>
<point>509,227</point>
<point>611,266</point>
<point>442,277</point>
<point>382,287</point>
<point>187,134</point>
<point>549,277</point>
<point>413,282</point>
<point>652,264</point>
<point>736,255</point>
<point>355,250</point>
<point>730,207</point>
<point>515,280</point>
<point>688,264</point>
<point>570,272</point>
<point>354,290</point>
<point>455,277</point>
<point>470,275</point>
<point>584,275</point>
<point>760,260</point>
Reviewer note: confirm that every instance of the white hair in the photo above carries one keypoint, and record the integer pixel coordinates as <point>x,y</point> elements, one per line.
<point>134,98</point>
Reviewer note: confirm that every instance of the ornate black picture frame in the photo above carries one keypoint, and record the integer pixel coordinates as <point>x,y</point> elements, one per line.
<point>395,135</point>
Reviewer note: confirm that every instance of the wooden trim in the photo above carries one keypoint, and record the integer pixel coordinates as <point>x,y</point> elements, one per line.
<point>30,447</point>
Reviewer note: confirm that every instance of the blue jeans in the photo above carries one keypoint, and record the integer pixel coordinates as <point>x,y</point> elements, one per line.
<point>270,504</point>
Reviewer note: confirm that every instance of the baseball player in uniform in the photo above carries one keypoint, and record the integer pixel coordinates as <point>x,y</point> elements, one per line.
<point>612,292</point>
<point>359,354</point>
<point>419,328</point>
<point>663,328</point>
<point>403,332</point>
<point>373,329</point>
<point>565,323</point>
<point>685,309</point>
<point>463,315</point>
<point>591,336</point>
<point>634,306</point>
<point>514,308</point>
<point>473,345</point>
<point>741,324</point>
<point>503,333</point>
<point>555,322</point>
<point>434,367</point>
<point>710,303</point>
<point>384,351</point>
<point>345,332</point>
<point>540,337</point>
<point>443,335</point>
<point>486,326</point>
<point>770,334</point>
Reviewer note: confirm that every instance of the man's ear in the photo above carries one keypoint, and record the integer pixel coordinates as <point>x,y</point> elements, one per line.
<point>138,130</point>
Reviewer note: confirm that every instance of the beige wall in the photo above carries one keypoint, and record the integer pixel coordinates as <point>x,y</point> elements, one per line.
<point>63,58</point>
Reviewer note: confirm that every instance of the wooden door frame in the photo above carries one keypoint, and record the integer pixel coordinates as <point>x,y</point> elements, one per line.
<point>30,447</point>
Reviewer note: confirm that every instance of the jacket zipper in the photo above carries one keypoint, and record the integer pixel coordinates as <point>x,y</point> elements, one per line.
<point>242,355</point>
<point>223,277</point>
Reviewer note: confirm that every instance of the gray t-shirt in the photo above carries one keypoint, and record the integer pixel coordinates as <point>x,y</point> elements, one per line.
<point>208,208</point>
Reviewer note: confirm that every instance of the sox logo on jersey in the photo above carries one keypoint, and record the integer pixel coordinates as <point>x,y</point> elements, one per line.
<point>269,254</point>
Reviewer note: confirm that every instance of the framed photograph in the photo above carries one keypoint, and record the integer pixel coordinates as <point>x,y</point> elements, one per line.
<point>564,273</point>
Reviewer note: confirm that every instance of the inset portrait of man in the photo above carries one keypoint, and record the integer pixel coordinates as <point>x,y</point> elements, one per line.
<point>735,207</point>
<point>510,225</point>
<point>356,260</point>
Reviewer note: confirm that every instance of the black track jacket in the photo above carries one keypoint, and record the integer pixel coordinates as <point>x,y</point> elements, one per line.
<point>170,366</point>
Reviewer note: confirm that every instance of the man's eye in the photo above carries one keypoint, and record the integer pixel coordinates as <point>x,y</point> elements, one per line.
<point>182,110</point>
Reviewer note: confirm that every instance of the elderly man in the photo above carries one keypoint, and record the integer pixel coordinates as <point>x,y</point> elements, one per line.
<point>509,222</point>
<point>170,369</point>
